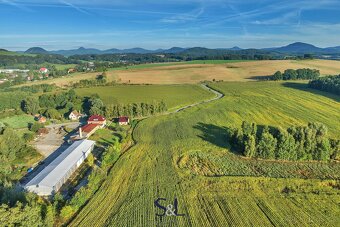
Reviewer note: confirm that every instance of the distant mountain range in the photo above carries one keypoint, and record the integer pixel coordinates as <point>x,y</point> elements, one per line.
<point>294,48</point>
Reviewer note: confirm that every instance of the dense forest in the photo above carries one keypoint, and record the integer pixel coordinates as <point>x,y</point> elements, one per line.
<point>309,142</point>
<point>11,60</point>
<point>330,84</point>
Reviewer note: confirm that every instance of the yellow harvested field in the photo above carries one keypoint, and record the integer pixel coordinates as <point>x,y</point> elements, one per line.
<point>194,73</point>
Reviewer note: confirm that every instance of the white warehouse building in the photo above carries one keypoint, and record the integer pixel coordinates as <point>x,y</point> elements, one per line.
<point>53,176</point>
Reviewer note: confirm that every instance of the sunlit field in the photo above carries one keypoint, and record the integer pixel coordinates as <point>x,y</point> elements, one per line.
<point>187,156</point>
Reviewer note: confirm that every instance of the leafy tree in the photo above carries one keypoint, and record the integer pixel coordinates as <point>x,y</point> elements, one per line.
<point>277,76</point>
<point>53,114</point>
<point>286,147</point>
<point>267,145</point>
<point>67,212</point>
<point>323,150</point>
<point>35,127</point>
<point>31,105</point>
<point>249,145</point>
<point>96,106</point>
<point>330,84</point>
<point>28,136</point>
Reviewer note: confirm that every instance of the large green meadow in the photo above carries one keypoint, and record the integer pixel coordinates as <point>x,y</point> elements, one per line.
<point>187,156</point>
<point>173,95</point>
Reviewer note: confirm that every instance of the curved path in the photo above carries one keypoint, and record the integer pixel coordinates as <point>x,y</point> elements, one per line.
<point>218,94</point>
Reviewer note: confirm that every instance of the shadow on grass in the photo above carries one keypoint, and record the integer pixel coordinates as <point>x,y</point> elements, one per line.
<point>214,134</point>
<point>304,87</point>
<point>260,78</point>
<point>104,142</point>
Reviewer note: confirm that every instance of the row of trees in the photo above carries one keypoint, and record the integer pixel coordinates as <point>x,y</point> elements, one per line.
<point>37,88</point>
<point>135,109</point>
<point>330,84</point>
<point>296,143</point>
<point>299,74</point>
<point>99,81</point>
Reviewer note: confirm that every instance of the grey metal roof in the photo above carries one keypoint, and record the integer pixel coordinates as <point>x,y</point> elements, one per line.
<point>52,173</point>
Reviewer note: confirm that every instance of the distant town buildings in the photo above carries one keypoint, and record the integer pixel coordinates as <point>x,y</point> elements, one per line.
<point>72,70</point>
<point>14,71</point>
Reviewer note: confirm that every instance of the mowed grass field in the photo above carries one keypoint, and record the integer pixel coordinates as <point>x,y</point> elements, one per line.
<point>18,121</point>
<point>196,71</point>
<point>186,156</point>
<point>173,95</point>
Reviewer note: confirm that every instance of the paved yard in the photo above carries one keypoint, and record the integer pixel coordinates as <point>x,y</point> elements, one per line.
<point>48,143</point>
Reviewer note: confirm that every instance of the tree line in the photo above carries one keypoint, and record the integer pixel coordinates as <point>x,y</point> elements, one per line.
<point>38,59</point>
<point>299,74</point>
<point>96,106</point>
<point>100,80</point>
<point>296,143</point>
<point>330,84</point>
<point>135,109</point>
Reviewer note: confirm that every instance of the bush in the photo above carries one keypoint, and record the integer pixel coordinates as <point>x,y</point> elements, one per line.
<point>35,127</point>
<point>28,136</point>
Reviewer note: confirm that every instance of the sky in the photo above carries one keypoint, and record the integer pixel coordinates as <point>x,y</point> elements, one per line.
<point>153,24</point>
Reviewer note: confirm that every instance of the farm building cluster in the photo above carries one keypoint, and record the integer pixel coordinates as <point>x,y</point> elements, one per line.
<point>51,178</point>
<point>54,175</point>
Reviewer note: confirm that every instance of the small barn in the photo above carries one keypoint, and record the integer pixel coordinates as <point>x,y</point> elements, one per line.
<point>123,120</point>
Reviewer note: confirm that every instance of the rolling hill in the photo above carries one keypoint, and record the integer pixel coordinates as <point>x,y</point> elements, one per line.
<point>293,48</point>
<point>36,50</point>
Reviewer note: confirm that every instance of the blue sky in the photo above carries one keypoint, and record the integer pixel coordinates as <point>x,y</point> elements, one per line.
<point>152,24</point>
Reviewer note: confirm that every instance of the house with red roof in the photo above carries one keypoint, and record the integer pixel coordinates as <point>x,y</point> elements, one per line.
<point>123,120</point>
<point>97,120</point>
<point>87,130</point>
<point>43,70</point>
